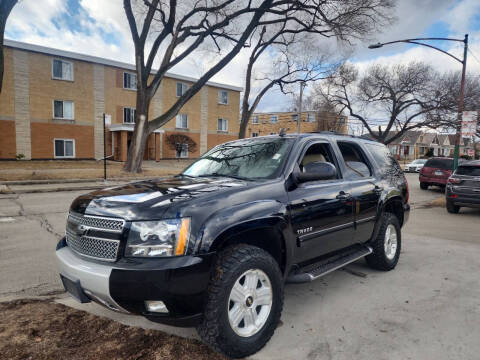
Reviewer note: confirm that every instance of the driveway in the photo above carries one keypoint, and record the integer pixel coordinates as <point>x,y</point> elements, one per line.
<point>428,307</point>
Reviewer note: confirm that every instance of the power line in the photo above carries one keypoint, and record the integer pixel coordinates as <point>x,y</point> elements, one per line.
<point>471,53</point>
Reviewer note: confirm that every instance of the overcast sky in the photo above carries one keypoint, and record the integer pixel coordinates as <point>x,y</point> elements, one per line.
<point>100,28</point>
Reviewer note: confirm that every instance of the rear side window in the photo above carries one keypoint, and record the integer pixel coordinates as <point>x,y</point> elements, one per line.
<point>355,161</point>
<point>468,170</point>
<point>444,164</point>
<point>383,158</point>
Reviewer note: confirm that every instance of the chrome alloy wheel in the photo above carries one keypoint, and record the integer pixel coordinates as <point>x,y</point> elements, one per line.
<point>250,302</point>
<point>390,243</point>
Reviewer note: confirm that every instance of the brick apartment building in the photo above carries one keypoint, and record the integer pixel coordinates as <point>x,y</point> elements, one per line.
<point>53,101</point>
<point>270,123</point>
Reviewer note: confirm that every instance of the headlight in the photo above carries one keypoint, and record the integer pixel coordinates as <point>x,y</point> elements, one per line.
<point>158,238</point>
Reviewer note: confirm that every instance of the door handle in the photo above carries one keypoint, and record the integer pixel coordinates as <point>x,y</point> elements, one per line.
<point>343,196</point>
<point>378,190</point>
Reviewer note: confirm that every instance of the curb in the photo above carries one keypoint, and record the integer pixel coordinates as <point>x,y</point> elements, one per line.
<point>71,181</point>
<point>34,191</point>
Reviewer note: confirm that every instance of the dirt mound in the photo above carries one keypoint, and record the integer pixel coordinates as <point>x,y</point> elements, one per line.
<point>31,329</point>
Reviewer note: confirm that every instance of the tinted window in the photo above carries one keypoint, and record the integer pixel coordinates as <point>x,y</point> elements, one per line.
<point>251,158</point>
<point>355,162</point>
<point>319,152</point>
<point>468,170</point>
<point>445,164</point>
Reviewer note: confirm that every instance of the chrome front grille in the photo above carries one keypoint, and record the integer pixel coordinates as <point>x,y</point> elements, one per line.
<point>96,222</point>
<point>97,246</point>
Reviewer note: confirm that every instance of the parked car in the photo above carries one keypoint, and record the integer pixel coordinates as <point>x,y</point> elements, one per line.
<point>415,165</point>
<point>463,187</point>
<point>213,246</point>
<point>436,171</point>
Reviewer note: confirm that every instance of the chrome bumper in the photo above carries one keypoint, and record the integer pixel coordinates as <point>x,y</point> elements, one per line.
<point>94,278</point>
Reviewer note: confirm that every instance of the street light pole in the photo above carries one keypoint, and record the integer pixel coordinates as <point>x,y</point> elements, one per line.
<point>458,134</point>
<point>299,116</point>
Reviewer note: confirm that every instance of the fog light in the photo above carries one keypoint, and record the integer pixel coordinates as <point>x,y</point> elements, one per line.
<point>156,306</point>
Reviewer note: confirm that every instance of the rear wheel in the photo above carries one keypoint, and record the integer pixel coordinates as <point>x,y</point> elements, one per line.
<point>452,208</point>
<point>245,301</point>
<point>387,245</point>
<point>423,186</point>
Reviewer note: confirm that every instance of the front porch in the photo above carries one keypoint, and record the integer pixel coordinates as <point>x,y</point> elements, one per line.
<point>121,135</point>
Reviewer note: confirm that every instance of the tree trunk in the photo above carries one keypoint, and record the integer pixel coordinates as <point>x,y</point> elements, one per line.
<point>6,7</point>
<point>243,124</point>
<point>139,138</point>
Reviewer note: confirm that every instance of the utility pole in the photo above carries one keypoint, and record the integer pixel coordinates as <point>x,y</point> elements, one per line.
<point>458,135</point>
<point>299,116</point>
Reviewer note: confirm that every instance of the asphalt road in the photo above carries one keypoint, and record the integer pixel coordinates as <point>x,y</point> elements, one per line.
<point>428,307</point>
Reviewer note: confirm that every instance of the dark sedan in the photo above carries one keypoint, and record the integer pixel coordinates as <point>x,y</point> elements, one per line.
<point>463,187</point>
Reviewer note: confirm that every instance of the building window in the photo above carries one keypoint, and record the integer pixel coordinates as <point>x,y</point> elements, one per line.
<point>64,148</point>
<point>255,119</point>
<point>223,97</point>
<point>310,117</point>
<point>183,153</point>
<point>129,115</point>
<point>129,81</point>
<point>63,109</point>
<point>62,70</point>
<point>273,119</point>
<point>181,121</point>
<point>254,134</point>
<point>222,125</point>
<point>294,117</point>
<point>181,88</point>
<point>273,133</point>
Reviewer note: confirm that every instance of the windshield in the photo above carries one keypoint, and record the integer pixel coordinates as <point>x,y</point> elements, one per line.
<point>248,159</point>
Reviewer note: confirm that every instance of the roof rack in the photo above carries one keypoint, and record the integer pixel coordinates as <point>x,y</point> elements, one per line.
<point>334,133</point>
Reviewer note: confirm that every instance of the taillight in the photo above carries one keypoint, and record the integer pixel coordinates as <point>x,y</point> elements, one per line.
<point>453,180</point>
<point>407,195</point>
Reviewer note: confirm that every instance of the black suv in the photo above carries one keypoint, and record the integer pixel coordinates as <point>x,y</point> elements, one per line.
<point>213,246</point>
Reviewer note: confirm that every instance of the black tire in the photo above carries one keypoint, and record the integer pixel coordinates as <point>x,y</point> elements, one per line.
<point>423,186</point>
<point>452,208</point>
<point>378,259</point>
<point>215,329</point>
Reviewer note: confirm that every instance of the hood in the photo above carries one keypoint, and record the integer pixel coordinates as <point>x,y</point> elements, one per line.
<point>151,199</point>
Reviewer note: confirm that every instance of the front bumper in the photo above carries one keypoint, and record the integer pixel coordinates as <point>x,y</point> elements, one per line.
<point>180,282</point>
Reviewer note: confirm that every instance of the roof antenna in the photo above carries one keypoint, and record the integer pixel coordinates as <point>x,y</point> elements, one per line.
<point>282,132</point>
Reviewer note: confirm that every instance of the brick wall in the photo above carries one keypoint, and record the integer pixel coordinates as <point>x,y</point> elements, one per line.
<point>7,139</point>
<point>287,120</point>
<point>43,135</point>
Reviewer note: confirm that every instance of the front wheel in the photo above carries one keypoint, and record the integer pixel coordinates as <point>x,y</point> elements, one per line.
<point>244,304</point>
<point>387,245</point>
<point>423,186</point>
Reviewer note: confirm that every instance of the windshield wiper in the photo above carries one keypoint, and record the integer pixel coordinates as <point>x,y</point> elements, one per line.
<point>224,175</point>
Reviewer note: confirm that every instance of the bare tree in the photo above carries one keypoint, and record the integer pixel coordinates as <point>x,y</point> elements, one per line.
<point>305,63</point>
<point>6,7</point>
<point>404,95</point>
<point>172,30</point>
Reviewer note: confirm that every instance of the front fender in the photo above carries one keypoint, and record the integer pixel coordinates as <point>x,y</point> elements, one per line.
<point>246,216</point>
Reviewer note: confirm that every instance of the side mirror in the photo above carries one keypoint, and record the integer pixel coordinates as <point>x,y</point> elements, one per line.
<point>317,170</point>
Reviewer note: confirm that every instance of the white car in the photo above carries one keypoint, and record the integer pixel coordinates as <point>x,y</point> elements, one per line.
<point>415,165</point>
